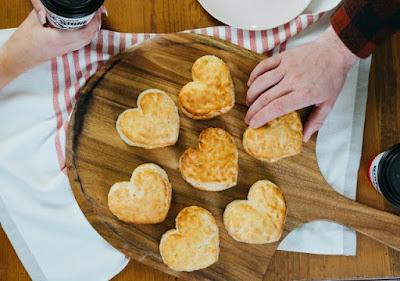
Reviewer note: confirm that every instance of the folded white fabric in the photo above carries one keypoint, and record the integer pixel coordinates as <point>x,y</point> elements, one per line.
<point>339,145</point>
<point>37,209</point>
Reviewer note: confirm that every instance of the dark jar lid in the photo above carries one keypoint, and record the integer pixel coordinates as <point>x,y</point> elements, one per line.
<point>73,8</point>
<point>389,175</point>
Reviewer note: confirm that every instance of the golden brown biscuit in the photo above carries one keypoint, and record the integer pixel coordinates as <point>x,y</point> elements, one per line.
<point>145,199</point>
<point>154,123</point>
<point>278,139</point>
<point>259,219</point>
<point>211,93</point>
<point>214,165</point>
<point>194,244</point>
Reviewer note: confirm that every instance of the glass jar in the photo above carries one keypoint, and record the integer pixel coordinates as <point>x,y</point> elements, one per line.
<point>384,174</point>
<point>70,14</point>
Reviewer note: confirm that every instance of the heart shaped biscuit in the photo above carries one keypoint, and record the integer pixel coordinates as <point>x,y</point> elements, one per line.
<point>154,123</point>
<point>194,244</point>
<point>211,93</point>
<point>279,138</point>
<point>214,165</point>
<point>259,219</point>
<point>145,199</point>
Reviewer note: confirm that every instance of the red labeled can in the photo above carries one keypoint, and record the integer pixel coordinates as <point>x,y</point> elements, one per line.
<point>384,174</point>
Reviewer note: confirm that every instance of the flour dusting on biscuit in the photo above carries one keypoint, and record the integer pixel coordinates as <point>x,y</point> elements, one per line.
<point>211,93</point>
<point>213,166</point>
<point>145,199</point>
<point>194,244</point>
<point>279,138</point>
<point>153,124</point>
<point>259,219</point>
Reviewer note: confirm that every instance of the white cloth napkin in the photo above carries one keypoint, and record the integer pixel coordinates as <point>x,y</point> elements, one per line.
<point>37,209</point>
<point>339,146</point>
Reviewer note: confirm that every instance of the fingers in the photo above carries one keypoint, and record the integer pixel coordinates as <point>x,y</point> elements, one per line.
<point>104,11</point>
<point>37,5</point>
<point>81,37</point>
<point>65,41</point>
<point>40,10</point>
<point>90,30</point>
<point>265,98</point>
<point>31,20</point>
<point>316,119</point>
<point>262,83</point>
<point>264,66</point>
<point>281,106</point>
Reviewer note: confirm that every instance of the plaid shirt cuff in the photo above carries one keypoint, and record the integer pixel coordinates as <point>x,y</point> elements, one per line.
<point>364,24</point>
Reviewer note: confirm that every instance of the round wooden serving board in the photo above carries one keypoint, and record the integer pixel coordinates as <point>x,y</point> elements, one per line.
<point>97,158</point>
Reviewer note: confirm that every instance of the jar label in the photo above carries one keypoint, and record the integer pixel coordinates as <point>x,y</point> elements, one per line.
<point>67,23</point>
<point>373,171</point>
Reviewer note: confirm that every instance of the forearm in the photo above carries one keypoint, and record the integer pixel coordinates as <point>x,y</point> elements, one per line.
<point>330,40</point>
<point>5,75</point>
<point>364,24</point>
<point>9,68</point>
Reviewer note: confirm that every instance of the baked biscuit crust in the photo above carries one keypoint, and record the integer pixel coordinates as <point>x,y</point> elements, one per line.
<point>261,218</point>
<point>211,93</point>
<point>145,199</point>
<point>194,244</point>
<point>213,166</point>
<point>279,138</point>
<point>153,124</point>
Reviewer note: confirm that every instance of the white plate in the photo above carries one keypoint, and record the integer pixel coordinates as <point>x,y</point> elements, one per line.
<point>254,14</point>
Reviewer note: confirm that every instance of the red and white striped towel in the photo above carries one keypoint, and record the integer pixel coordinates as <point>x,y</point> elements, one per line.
<point>71,71</point>
<point>37,208</point>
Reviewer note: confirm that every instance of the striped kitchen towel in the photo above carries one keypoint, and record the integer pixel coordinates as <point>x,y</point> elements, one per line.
<point>71,71</point>
<point>37,209</point>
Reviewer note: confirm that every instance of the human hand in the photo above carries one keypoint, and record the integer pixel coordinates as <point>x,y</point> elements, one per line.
<point>33,43</point>
<point>311,74</point>
<point>40,10</point>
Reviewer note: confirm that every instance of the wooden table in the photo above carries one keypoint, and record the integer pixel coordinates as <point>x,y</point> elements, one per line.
<point>382,129</point>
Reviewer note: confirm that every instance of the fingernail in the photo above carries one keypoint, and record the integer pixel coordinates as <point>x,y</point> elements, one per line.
<point>104,10</point>
<point>42,17</point>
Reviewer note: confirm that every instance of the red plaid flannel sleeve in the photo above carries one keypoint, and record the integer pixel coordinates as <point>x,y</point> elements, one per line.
<point>364,24</point>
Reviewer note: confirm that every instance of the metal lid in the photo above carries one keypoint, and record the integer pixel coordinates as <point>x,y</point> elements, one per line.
<point>393,171</point>
<point>73,8</point>
<point>389,175</point>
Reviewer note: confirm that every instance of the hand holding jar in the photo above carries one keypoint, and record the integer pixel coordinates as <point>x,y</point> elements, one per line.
<point>33,43</point>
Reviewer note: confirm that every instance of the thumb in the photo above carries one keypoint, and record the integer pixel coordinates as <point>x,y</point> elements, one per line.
<point>40,10</point>
<point>32,19</point>
<point>316,119</point>
<point>37,5</point>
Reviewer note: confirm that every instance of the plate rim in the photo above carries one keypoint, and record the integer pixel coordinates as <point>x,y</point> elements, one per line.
<point>210,11</point>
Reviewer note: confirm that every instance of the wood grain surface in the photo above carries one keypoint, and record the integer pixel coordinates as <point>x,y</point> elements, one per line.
<point>97,158</point>
<point>381,130</point>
